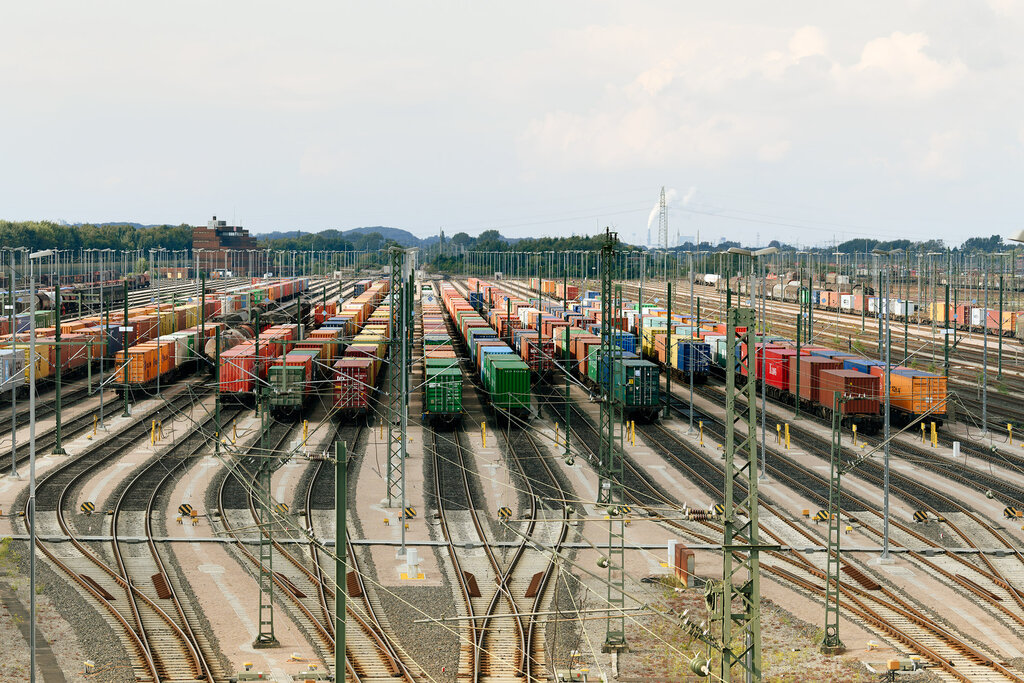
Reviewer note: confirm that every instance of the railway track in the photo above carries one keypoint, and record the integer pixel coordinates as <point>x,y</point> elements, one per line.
<point>371,655</point>
<point>237,509</point>
<point>504,638</point>
<point>159,649</point>
<point>134,509</point>
<point>888,612</point>
<point>966,358</point>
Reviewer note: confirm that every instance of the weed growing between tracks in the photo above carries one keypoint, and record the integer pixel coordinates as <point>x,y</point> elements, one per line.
<point>790,645</point>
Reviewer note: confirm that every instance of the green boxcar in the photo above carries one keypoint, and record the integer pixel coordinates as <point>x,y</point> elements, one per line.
<point>506,377</point>
<point>443,393</point>
<point>637,386</point>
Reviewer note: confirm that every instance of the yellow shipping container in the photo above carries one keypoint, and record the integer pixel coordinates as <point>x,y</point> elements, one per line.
<point>647,339</point>
<point>167,322</point>
<point>937,312</point>
<point>918,394</point>
<point>43,367</point>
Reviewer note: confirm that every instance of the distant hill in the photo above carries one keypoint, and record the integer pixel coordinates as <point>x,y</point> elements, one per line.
<point>403,237</point>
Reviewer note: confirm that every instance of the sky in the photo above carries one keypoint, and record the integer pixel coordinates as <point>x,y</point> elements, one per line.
<point>806,122</point>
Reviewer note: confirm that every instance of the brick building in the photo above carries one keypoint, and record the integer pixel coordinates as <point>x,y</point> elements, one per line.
<point>223,246</point>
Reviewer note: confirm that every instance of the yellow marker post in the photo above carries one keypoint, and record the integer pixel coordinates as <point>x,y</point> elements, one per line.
<point>1009,428</point>
<point>305,431</point>
<point>935,436</point>
<point>556,433</point>
<point>922,432</point>
<point>778,433</point>
<point>94,427</point>
<point>483,433</point>
<point>787,436</point>
<point>701,423</point>
<point>234,431</point>
<point>854,434</point>
<point>152,433</point>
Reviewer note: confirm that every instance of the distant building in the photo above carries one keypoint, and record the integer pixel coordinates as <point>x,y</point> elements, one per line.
<point>223,247</point>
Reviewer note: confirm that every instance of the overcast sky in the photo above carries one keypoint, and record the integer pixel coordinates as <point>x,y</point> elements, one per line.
<point>806,124</point>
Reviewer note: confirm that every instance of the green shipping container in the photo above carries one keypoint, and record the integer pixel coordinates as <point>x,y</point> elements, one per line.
<point>507,379</point>
<point>636,383</point>
<point>287,383</point>
<point>443,391</point>
<point>442,363</point>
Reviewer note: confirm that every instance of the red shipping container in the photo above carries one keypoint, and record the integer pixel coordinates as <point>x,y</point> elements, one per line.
<point>862,391</point>
<point>759,357</point>
<point>237,366</point>
<point>963,314</point>
<point>301,360</point>
<point>353,383</point>
<point>810,376</point>
<point>777,364</point>
<point>74,352</point>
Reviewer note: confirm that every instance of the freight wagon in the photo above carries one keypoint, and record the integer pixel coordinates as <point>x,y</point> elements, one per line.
<point>442,385</point>
<point>504,376</point>
<point>354,375</point>
<point>292,382</point>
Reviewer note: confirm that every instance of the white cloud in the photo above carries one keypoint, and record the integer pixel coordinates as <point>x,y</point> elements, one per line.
<point>897,66</point>
<point>942,156</point>
<point>808,41</point>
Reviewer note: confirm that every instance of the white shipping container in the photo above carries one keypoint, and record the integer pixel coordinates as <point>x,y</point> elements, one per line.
<point>846,302</point>
<point>180,347</point>
<point>978,317</point>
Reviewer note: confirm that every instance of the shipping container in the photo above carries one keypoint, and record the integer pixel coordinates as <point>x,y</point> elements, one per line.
<point>861,391</point>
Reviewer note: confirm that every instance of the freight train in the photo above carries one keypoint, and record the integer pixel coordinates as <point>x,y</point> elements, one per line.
<point>545,336</point>
<point>366,321</point>
<point>968,317</point>
<point>698,347</point>
<point>504,376</point>
<point>442,385</point>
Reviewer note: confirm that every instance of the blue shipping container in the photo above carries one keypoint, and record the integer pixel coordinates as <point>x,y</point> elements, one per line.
<point>694,357</point>
<point>625,340</point>
<point>861,364</point>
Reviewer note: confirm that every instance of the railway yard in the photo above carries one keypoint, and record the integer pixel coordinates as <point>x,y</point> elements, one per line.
<point>554,499</point>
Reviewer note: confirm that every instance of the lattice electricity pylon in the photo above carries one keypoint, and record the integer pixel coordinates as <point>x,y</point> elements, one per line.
<point>832,644</point>
<point>395,379</point>
<point>265,637</point>
<point>740,546</point>
<point>610,466</point>
<point>662,221</point>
